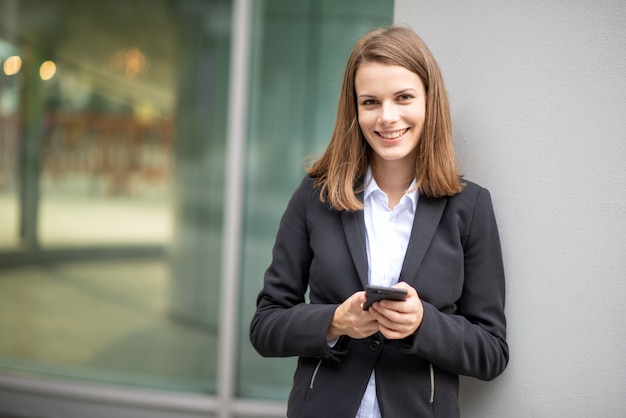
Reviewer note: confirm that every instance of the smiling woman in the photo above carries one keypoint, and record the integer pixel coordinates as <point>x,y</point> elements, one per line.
<point>385,206</point>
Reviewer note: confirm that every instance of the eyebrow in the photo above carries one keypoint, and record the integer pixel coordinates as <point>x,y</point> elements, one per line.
<point>395,94</point>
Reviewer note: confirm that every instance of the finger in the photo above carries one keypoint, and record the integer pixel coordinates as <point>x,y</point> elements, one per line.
<point>396,306</point>
<point>404,323</point>
<point>404,285</point>
<point>383,317</point>
<point>390,311</point>
<point>392,334</point>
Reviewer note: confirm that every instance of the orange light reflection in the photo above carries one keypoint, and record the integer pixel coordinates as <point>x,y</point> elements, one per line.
<point>12,65</point>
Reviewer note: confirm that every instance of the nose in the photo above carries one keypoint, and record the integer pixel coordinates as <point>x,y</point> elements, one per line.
<point>388,112</point>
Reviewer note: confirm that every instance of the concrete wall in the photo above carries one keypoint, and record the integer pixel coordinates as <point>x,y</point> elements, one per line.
<point>538,94</point>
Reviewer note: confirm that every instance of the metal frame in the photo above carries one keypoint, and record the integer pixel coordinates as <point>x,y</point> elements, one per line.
<point>40,393</point>
<point>233,203</point>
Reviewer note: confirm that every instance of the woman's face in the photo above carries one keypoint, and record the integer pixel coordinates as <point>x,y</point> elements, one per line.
<point>391,107</point>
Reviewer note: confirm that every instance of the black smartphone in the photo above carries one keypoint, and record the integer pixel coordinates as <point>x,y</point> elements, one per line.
<point>374,293</point>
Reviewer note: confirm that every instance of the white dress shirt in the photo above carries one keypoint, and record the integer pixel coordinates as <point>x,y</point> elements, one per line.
<point>387,233</point>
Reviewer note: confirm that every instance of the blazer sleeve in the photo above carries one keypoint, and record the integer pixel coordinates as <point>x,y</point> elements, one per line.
<point>284,324</point>
<point>472,340</point>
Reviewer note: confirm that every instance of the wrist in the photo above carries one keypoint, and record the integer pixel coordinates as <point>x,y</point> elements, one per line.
<point>335,329</point>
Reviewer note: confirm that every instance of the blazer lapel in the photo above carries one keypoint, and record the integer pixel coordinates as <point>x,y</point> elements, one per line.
<point>427,215</point>
<point>354,229</point>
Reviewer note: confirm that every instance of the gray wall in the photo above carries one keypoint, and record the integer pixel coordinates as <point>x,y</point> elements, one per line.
<point>538,94</point>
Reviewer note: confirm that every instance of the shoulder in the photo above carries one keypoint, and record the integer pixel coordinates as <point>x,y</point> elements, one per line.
<point>472,203</point>
<point>307,194</point>
<point>471,188</point>
<point>307,188</point>
<point>470,195</point>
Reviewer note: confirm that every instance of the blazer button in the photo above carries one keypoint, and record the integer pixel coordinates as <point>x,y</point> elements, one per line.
<point>375,345</point>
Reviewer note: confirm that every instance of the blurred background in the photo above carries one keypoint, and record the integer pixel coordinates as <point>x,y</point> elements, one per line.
<point>113,165</point>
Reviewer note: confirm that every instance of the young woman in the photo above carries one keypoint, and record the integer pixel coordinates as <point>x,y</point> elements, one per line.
<point>384,205</point>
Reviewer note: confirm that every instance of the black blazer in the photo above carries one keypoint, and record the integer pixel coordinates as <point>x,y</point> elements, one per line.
<point>454,262</point>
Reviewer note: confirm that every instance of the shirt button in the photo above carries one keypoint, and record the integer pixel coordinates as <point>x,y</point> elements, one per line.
<point>375,345</point>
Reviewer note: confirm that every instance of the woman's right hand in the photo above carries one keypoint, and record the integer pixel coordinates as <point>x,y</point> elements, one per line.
<point>352,320</point>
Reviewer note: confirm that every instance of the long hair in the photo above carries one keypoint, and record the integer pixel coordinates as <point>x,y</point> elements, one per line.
<point>347,157</point>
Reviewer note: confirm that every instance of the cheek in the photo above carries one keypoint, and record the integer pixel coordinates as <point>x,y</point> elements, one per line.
<point>366,121</point>
<point>419,114</point>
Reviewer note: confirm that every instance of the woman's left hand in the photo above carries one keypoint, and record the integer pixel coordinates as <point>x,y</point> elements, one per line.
<point>399,319</point>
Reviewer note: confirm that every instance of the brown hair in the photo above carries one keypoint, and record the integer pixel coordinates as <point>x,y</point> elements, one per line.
<point>345,161</point>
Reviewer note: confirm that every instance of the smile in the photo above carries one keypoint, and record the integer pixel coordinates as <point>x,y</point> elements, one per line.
<point>393,135</point>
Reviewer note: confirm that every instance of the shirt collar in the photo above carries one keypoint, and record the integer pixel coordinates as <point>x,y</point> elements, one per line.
<point>371,186</point>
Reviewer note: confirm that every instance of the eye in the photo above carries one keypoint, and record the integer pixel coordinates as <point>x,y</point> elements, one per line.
<point>368,102</point>
<point>405,97</point>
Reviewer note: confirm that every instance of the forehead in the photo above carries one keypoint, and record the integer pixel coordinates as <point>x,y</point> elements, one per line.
<point>379,76</point>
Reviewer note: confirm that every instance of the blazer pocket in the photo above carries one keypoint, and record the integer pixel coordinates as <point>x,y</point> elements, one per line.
<point>317,368</point>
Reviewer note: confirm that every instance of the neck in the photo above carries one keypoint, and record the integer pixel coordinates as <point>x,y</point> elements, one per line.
<point>393,178</point>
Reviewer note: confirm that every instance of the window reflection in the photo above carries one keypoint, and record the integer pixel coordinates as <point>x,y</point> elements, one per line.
<point>112,121</point>
<point>87,104</point>
<point>115,168</point>
<point>108,124</point>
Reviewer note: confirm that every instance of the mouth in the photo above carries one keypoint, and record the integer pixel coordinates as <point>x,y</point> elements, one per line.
<point>391,135</point>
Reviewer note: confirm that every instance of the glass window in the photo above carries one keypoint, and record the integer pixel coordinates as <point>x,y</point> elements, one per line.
<point>112,137</point>
<point>299,53</point>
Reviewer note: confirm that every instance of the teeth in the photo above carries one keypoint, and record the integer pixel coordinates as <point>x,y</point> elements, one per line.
<point>392,135</point>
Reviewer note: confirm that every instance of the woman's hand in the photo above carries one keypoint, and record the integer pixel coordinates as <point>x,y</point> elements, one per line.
<point>399,319</point>
<point>352,320</point>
